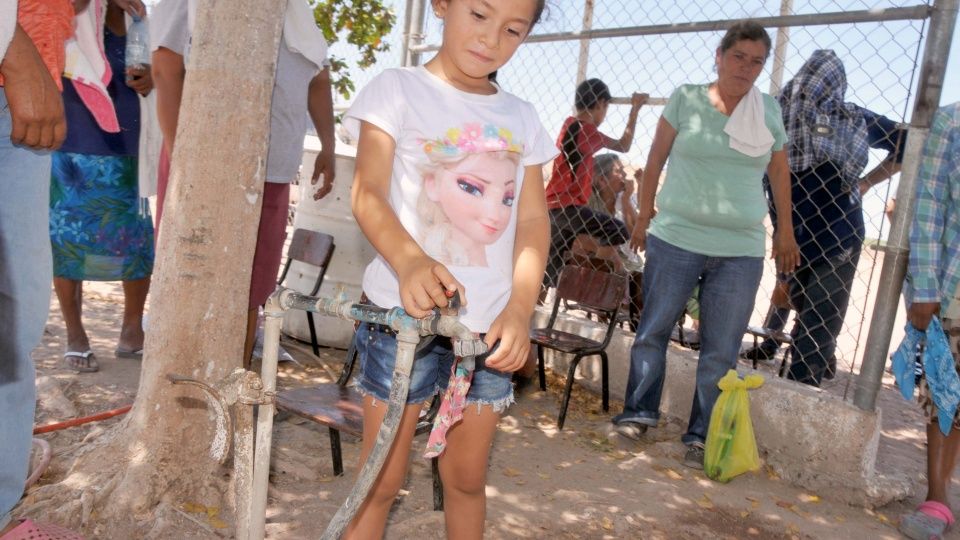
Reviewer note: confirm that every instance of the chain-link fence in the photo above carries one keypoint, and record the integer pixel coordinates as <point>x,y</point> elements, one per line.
<point>845,114</point>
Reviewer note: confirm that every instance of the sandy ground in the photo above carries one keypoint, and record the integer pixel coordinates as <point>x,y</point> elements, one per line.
<point>578,483</point>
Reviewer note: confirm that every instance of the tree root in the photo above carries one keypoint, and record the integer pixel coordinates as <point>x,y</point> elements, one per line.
<point>108,492</point>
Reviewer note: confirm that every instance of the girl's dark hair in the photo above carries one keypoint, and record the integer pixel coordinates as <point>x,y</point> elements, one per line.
<point>747,29</point>
<point>589,93</point>
<point>571,152</point>
<point>537,13</point>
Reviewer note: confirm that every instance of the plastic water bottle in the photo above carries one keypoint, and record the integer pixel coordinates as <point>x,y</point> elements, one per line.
<point>137,53</point>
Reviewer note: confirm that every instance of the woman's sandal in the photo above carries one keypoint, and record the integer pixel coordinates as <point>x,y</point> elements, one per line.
<point>29,530</point>
<point>136,354</point>
<point>81,362</point>
<point>929,521</point>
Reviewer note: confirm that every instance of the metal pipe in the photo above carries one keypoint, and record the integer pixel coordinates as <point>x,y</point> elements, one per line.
<point>584,59</point>
<point>932,72</point>
<point>273,319</point>
<point>407,341</point>
<point>243,468</point>
<point>405,37</point>
<point>654,101</point>
<point>780,49</point>
<point>415,32</point>
<point>819,19</point>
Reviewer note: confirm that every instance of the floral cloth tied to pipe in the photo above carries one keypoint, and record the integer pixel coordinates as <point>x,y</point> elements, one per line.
<point>938,366</point>
<point>451,405</point>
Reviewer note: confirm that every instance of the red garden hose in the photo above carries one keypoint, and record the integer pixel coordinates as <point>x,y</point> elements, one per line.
<point>82,420</point>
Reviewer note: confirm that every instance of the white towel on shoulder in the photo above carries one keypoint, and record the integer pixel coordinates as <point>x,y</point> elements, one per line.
<point>747,128</point>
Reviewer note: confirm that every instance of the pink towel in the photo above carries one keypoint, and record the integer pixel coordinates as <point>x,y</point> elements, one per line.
<point>87,66</point>
<point>451,408</point>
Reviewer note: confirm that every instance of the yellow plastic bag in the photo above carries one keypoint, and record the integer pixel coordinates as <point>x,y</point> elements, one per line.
<point>731,448</point>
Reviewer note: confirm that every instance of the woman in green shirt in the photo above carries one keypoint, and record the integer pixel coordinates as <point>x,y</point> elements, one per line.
<point>708,228</point>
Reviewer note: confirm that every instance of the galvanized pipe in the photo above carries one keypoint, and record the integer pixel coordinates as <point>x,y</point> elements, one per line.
<point>407,341</point>
<point>780,50</point>
<point>243,468</point>
<point>418,12</point>
<point>819,19</point>
<point>273,319</point>
<point>895,257</point>
<point>405,37</point>
<point>583,60</point>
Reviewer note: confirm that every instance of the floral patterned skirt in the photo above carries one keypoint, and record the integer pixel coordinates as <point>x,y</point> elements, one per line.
<point>100,229</point>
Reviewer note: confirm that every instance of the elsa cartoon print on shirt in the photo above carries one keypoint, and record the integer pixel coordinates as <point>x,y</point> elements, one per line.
<point>469,185</point>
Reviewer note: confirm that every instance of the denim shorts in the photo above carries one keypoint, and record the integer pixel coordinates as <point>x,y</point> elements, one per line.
<point>431,371</point>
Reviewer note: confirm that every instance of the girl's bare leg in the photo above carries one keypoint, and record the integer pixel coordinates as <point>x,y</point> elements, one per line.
<point>463,468</point>
<point>371,519</point>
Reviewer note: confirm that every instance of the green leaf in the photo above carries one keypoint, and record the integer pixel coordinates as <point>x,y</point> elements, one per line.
<point>362,23</point>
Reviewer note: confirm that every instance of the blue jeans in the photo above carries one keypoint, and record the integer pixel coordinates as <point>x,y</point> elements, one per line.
<point>820,292</point>
<point>25,277</point>
<point>728,286</point>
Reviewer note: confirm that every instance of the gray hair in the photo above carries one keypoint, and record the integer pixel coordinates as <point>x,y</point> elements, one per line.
<point>603,164</point>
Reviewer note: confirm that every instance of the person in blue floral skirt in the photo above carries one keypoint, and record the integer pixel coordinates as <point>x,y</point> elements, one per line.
<point>100,226</point>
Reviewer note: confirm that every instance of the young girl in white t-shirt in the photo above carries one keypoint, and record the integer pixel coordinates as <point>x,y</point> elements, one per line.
<point>449,191</point>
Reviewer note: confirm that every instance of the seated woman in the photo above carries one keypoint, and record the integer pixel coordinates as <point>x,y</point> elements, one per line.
<point>612,196</point>
<point>571,183</point>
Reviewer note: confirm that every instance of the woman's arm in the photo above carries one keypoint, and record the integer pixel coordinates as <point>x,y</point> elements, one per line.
<point>423,281</point>
<point>785,250</point>
<point>627,198</point>
<point>512,326</point>
<point>168,74</point>
<point>320,106</point>
<point>659,151</point>
<point>625,141</point>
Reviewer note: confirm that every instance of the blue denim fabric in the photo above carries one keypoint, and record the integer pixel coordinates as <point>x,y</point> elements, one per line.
<point>25,277</point>
<point>431,371</point>
<point>728,286</point>
<point>820,292</point>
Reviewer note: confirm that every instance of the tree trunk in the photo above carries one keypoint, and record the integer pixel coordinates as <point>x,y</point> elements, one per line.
<point>201,283</point>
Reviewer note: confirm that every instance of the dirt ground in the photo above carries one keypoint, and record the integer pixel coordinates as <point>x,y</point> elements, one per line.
<point>579,483</point>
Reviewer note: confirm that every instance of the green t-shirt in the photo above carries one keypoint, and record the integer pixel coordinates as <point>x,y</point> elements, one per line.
<point>712,200</point>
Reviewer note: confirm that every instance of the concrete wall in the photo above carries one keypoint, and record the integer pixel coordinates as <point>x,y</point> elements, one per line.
<point>809,437</point>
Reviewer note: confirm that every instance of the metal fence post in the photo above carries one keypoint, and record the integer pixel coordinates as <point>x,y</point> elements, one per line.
<point>896,254</point>
<point>414,18</point>
<point>405,37</point>
<point>780,49</point>
<point>584,58</point>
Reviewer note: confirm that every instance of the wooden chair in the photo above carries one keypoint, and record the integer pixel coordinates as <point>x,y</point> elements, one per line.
<point>608,266</point>
<point>602,293</point>
<point>340,407</point>
<point>316,249</point>
<point>779,338</point>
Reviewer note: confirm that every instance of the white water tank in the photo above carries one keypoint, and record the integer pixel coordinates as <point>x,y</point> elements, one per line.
<point>330,215</point>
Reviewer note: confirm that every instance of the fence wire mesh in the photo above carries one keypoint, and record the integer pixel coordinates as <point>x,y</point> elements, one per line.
<point>839,217</point>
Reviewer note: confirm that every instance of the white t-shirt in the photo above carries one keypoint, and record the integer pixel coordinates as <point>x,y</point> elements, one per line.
<point>457,170</point>
<point>171,26</point>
